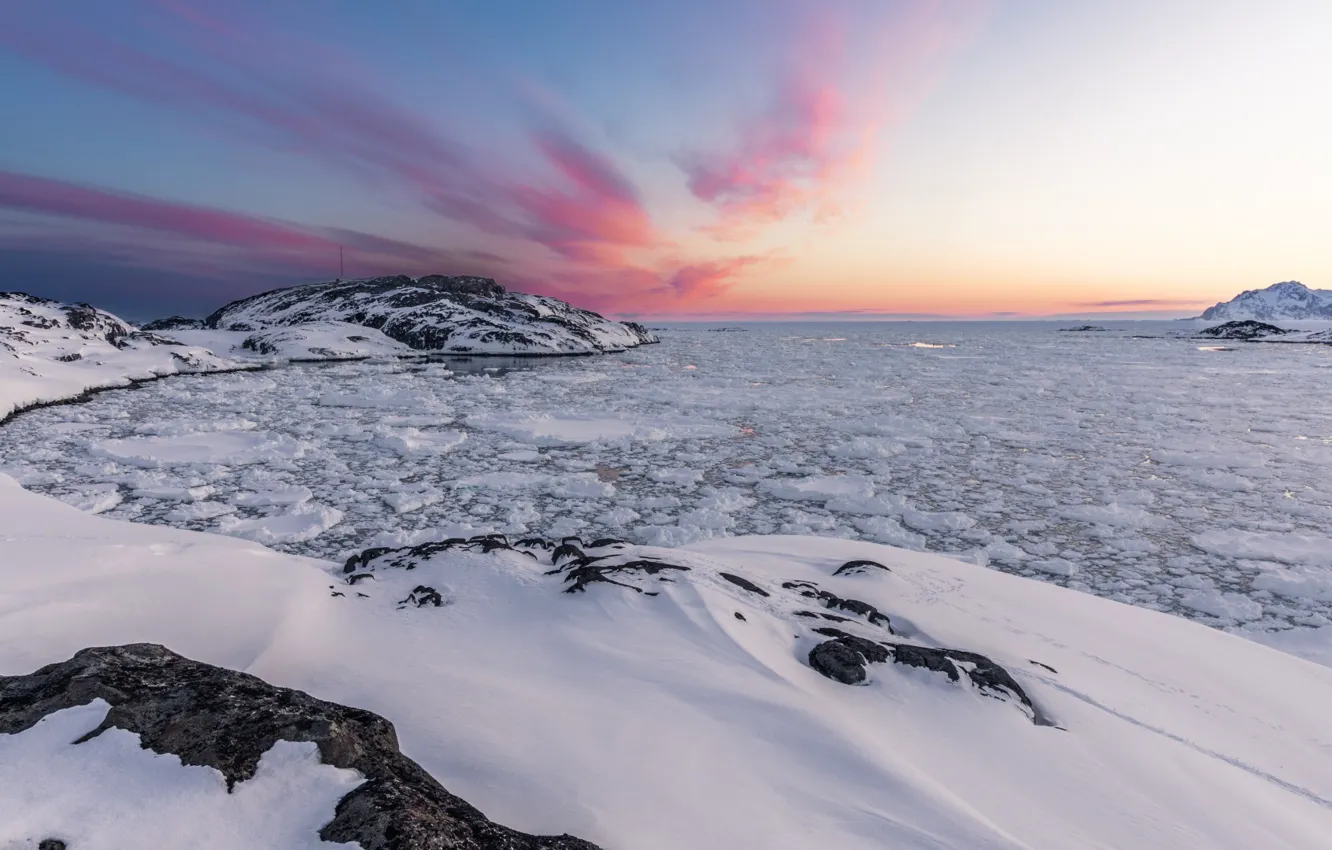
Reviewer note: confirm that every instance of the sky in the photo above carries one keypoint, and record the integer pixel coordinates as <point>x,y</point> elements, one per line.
<point>671,158</point>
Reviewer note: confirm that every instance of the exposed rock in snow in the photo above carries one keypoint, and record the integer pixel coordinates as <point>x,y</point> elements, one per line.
<point>228,721</point>
<point>642,570</point>
<point>465,315</point>
<point>844,659</point>
<point>665,721</point>
<point>1083,329</point>
<point>324,341</point>
<point>1242,329</point>
<point>51,350</point>
<point>174,323</point>
<point>1290,300</point>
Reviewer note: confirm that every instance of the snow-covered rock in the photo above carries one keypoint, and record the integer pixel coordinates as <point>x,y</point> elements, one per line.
<point>50,350</point>
<point>759,692</point>
<point>232,733</point>
<point>1289,300</point>
<point>465,315</point>
<point>174,323</point>
<point>1246,329</point>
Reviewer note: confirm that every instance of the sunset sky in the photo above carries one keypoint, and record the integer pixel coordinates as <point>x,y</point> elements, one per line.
<point>672,158</point>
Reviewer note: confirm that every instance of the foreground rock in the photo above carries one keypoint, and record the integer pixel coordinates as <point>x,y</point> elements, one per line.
<point>227,720</point>
<point>460,315</point>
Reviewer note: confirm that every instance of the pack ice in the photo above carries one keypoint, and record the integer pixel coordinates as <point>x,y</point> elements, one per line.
<point>578,686</point>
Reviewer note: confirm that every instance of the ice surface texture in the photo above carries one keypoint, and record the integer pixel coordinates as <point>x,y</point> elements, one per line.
<point>1144,470</point>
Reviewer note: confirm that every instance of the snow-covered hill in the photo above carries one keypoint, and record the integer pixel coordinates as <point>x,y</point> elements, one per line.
<point>50,350</point>
<point>1289,301</point>
<point>467,315</point>
<point>665,698</point>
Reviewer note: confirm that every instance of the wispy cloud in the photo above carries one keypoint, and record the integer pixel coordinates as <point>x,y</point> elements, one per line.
<point>198,230</point>
<point>1146,302</point>
<point>576,225</point>
<point>819,132</point>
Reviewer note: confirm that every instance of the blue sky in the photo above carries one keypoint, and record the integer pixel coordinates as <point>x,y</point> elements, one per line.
<point>957,157</point>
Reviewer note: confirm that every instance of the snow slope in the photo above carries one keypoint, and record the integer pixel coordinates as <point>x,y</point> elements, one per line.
<point>667,721</point>
<point>435,313</point>
<point>93,794</point>
<point>692,717</point>
<point>313,341</point>
<point>1289,300</point>
<point>50,350</point>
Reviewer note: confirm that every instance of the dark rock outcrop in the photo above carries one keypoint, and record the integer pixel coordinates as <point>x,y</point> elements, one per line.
<point>227,720</point>
<point>1246,330</point>
<point>845,658</point>
<point>859,566</point>
<point>810,590</point>
<point>744,583</point>
<point>173,323</point>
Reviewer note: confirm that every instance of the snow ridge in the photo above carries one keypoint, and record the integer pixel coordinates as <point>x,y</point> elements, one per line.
<point>50,351</point>
<point>463,315</point>
<point>1288,300</point>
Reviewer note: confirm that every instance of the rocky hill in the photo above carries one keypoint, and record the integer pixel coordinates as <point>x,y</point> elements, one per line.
<point>47,345</point>
<point>462,315</point>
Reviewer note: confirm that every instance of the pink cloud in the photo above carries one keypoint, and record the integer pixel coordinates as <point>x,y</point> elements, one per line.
<point>53,197</point>
<point>256,239</point>
<point>599,242</point>
<point>819,134</point>
<point>593,221</point>
<point>702,281</point>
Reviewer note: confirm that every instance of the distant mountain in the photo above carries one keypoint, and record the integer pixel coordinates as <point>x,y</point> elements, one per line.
<point>1290,300</point>
<point>463,315</point>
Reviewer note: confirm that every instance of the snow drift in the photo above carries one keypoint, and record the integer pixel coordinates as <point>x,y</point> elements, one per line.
<point>683,708</point>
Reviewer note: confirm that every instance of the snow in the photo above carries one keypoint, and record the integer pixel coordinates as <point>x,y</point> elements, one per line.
<point>50,351</point>
<point>665,722</point>
<point>209,447</point>
<point>108,793</point>
<point>1274,546</point>
<point>1290,300</point>
<point>305,522</point>
<point>1096,461</point>
<point>432,313</point>
<point>818,488</point>
<point>549,429</point>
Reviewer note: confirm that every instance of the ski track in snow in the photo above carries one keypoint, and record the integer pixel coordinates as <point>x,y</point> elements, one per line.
<point>1149,471</point>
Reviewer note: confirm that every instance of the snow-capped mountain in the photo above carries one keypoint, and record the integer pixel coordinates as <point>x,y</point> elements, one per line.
<point>464,315</point>
<point>1289,300</point>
